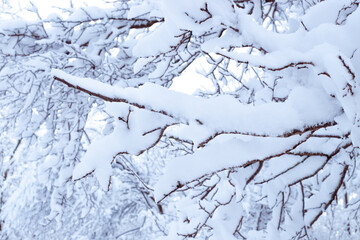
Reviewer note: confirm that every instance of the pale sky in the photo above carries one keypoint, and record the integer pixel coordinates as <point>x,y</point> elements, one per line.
<point>44,6</point>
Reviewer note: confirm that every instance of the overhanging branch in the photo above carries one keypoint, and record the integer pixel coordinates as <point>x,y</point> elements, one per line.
<point>113,99</point>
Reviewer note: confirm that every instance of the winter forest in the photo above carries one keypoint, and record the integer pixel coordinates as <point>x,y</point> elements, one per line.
<point>179,119</point>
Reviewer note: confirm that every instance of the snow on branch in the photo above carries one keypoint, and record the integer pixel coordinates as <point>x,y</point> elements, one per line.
<point>221,114</point>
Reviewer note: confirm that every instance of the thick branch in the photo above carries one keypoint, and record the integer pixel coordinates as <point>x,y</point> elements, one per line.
<point>284,135</point>
<point>112,99</point>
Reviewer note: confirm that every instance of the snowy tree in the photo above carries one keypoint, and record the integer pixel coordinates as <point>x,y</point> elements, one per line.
<point>267,151</point>
<point>45,127</point>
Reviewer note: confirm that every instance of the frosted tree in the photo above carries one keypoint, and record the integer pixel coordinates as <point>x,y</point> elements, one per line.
<point>45,132</point>
<point>263,153</point>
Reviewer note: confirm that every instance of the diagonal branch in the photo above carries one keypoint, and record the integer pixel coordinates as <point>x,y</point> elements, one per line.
<point>60,76</point>
<point>333,195</point>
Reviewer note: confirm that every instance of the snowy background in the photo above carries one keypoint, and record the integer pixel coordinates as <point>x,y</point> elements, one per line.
<point>165,119</point>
